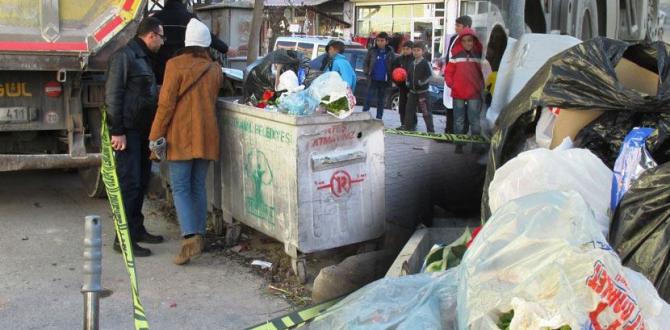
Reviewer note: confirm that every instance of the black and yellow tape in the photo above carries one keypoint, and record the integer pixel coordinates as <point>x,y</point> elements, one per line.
<point>296,319</point>
<point>464,138</point>
<point>111,180</point>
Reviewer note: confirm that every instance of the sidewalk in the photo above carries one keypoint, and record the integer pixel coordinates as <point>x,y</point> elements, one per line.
<point>421,173</point>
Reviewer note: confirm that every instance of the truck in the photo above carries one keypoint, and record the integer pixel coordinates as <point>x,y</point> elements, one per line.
<point>496,20</point>
<point>53,57</point>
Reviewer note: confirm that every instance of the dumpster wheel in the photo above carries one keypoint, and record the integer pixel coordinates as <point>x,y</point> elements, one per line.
<point>233,232</point>
<point>299,266</point>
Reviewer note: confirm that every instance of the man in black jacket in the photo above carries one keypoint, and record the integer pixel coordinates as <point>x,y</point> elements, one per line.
<point>131,96</point>
<point>174,16</point>
<point>378,69</point>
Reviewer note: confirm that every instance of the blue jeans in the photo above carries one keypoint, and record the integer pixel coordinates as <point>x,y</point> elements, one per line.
<point>379,88</point>
<point>189,194</point>
<point>472,108</point>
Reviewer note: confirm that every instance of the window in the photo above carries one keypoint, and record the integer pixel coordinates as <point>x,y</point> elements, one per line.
<point>321,50</point>
<point>285,45</point>
<point>306,49</point>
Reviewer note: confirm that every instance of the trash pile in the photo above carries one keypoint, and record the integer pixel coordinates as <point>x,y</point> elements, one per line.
<point>278,84</point>
<point>576,235</point>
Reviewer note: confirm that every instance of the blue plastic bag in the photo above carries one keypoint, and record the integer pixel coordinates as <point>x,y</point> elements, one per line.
<point>633,160</point>
<point>298,104</point>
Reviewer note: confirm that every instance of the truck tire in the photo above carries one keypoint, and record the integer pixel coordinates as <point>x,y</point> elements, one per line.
<point>91,178</point>
<point>586,20</point>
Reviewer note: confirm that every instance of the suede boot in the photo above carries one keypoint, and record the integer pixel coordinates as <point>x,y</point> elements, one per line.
<point>190,247</point>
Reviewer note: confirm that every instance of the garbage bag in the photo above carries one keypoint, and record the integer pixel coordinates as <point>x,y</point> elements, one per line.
<point>640,230</point>
<point>541,170</point>
<point>334,94</point>
<point>298,104</point>
<point>581,78</point>
<point>633,160</point>
<point>262,76</point>
<point>543,257</point>
<point>422,301</point>
<point>605,136</point>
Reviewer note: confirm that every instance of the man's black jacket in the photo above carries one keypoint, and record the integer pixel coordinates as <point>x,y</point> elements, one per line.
<point>175,17</point>
<point>131,92</point>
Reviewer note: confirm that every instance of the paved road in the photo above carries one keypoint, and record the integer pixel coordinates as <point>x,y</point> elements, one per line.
<point>41,214</point>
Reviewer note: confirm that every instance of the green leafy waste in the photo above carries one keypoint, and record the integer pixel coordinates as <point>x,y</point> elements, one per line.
<point>336,107</point>
<point>506,318</point>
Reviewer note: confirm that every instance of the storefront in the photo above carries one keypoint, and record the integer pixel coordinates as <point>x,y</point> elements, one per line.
<point>405,20</point>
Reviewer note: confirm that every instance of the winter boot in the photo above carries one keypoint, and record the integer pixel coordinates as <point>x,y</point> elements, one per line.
<point>190,247</point>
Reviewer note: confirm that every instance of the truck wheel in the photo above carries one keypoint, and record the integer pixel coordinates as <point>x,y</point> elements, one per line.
<point>90,177</point>
<point>587,20</point>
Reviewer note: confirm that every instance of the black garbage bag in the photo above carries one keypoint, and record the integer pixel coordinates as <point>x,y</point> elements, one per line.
<point>260,78</point>
<point>640,231</point>
<point>605,135</point>
<point>582,78</point>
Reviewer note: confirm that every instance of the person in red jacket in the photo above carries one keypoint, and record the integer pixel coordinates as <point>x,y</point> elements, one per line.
<point>464,76</point>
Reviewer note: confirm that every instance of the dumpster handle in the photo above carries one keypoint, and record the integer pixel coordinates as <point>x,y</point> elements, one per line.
<point>332,160</point>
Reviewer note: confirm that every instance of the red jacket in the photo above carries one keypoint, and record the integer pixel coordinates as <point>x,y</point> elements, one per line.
<point>463,73</point>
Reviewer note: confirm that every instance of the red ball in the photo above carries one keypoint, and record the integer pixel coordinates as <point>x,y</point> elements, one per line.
<point>399,75</point>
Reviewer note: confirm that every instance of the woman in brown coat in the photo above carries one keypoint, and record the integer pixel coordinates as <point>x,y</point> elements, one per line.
<point>186,118</point>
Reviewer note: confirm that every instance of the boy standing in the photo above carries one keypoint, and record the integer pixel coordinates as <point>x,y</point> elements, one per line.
<point>378,69</point>
<point>464,76</point>
<point>403,61</point>
<point>461,23</point>
<point>336,62</point>
<point>418,76</point>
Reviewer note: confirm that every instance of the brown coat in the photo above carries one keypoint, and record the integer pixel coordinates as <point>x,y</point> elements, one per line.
<point>189,124</point>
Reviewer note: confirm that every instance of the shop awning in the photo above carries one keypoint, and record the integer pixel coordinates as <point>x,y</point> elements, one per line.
<point>293,3</point>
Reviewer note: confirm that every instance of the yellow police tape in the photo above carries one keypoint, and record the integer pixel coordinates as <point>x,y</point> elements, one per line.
<point>111,180</point>
<point>465,138</point>
<point>296,319</point>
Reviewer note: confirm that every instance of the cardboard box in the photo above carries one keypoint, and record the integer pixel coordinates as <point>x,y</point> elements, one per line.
<point>631,75</point>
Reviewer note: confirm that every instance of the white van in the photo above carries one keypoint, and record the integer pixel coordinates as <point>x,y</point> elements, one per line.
<point>311,47</point>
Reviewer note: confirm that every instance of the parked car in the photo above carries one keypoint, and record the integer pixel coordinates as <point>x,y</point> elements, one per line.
<point>356,56</point>
<point>311,47</point>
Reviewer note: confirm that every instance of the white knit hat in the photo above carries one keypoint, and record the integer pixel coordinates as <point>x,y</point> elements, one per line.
<point>197,34</point>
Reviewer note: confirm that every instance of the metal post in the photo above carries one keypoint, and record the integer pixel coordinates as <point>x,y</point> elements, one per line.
<point>92,271</point>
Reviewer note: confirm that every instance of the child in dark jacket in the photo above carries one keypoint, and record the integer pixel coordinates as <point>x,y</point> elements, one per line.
<point>403,61</point>
<point>419,73</point>
<point>464,76</point>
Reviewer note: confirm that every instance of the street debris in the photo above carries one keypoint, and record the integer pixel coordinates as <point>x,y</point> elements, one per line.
<point>262,264</point>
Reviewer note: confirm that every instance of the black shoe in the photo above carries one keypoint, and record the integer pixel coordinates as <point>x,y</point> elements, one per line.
<point>138,251</point>
<point>459,149</point>
<point>151,239</point>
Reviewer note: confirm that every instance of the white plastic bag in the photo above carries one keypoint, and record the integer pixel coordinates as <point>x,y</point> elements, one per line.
<point>288,81</point>
<point>328,88</point>
<point>541,170</point>
<point>543,257</point>
<point>544,130</point>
